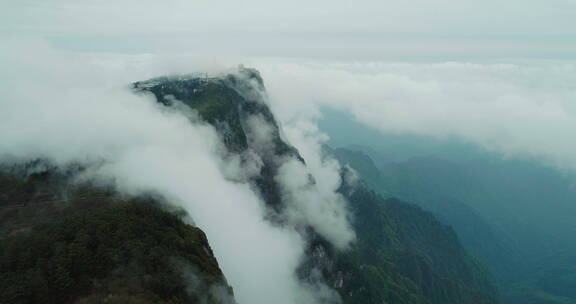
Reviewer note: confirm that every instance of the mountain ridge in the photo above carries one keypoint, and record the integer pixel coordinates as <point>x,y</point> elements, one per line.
<point>400,254</point>
<point>321,251</point>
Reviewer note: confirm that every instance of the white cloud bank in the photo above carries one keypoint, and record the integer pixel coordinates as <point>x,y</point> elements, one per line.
<point>66,109</point>
<point>523,109</point>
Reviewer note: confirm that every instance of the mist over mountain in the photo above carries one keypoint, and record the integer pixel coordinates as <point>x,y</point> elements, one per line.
<point>287,152</point>
<point>335,240</point>
<point>516,215</point>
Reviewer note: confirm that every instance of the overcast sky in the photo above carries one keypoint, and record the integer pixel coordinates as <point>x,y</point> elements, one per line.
<point>352,30</point>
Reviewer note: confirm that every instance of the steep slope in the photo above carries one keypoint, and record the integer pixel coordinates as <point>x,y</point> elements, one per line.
<point>402,254</point>
<point>512,214</point>
<point>82,244</point>
<point>476,234</point>
<point>531,206</point>
<point>235,105</point>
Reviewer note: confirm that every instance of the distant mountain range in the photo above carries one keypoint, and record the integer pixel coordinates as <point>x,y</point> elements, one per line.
<point>515,215</point>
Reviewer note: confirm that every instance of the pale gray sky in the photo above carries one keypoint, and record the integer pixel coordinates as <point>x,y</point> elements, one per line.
<point>495,73</point>
<point>352,30</point>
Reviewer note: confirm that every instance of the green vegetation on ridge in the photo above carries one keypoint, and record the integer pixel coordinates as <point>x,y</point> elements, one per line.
<point>95,248</point>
